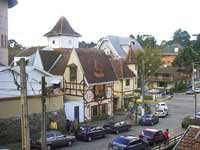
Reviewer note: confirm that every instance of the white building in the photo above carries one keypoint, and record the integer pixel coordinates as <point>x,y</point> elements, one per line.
<point>63,35</point>
<point>118,47</point>
<point>4,5</point>
<point>10,81</point>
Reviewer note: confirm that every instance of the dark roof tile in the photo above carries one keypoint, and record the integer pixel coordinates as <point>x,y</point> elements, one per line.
<point>62,27</point>
<point>96,66</point>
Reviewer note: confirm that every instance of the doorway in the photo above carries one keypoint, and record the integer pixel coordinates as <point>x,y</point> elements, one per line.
<point>76,113</point>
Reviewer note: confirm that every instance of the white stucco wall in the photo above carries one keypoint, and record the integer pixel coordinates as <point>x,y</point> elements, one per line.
<point>69,109</point>
<point>63,42</point>
<point>3,31</point>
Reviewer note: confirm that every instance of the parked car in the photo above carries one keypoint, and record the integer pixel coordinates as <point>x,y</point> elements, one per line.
<point>127,142</point>
<point>53,139</point>
<point>197,90</point>
<point>88,133</point>
<point>148,119</point>
<point>152,136</point>
<point>198,114</point>
<point>116,127</point>
<point>161,105</point>
<point>189,92</point>
<point>161,113</point>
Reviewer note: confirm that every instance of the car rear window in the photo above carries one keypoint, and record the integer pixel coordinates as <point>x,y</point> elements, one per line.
<point>148,133</point>
<point>162,104</point>
<point>121,140</point>
<point>159,110</point>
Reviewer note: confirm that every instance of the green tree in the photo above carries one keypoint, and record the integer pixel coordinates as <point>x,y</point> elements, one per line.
<point>182,37</point>
<point>147,41</point>
<point>186,57</point>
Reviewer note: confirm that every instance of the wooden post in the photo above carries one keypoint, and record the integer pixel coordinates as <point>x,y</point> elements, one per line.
<point>43,118</point>
<point>24,107</point>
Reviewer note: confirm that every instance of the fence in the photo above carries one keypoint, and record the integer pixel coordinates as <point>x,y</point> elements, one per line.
<point>171,143</point>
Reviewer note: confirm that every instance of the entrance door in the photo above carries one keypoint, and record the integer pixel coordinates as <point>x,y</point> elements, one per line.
<point>76,113</point>
<point>115,99</point>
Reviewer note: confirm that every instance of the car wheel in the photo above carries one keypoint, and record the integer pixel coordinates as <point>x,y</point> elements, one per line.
<point>69,143</point>
<point>117,131</point>
<point>48,147</point>
<point>152,123</point>
<point>89,139</point>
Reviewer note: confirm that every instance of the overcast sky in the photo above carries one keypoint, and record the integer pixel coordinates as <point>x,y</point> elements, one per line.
<point>93,19</point>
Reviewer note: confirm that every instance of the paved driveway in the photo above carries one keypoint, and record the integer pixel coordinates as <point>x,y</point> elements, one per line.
<point>179,107</point>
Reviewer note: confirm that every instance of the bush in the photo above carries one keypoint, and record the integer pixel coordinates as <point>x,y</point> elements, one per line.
<point>180,87</point>
<point>190,121</point>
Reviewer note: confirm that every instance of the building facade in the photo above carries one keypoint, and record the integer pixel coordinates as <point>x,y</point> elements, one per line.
<point>63,35</point>
<point>4,5</point>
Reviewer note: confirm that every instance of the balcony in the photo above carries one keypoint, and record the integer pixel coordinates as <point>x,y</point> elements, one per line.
<point>167,79</point>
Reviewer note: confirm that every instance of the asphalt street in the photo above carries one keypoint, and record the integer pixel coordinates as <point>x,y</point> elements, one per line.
<point>180,105</point>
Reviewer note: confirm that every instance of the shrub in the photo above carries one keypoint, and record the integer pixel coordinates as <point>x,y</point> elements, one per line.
<point>190,121</point>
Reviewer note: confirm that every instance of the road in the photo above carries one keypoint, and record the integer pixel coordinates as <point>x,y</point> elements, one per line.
<point>180,105</point>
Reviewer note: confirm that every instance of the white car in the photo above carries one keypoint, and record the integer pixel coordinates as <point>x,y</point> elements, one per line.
<point>162,105</point>
<point>197,90</point>
<point>161,113</point>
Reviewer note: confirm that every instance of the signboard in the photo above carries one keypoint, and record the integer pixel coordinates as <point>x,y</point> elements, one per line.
<point>89,96</point>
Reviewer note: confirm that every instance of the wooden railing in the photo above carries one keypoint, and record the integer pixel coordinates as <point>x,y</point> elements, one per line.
<point>169,144</point>
<point>166,78</point>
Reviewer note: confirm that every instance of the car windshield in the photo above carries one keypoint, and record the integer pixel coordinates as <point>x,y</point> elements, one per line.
<point>148,133</point>
<point>162,104</point>
<point>147,116</point>
<point>159,110</point>
<point>122,140</point>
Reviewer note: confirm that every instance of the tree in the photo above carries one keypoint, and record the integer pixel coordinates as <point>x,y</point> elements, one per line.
<point>83,44</point>
<point>14,48</point>
<point>147,41</point>
<point>181,37</point>
<point>186,57</point>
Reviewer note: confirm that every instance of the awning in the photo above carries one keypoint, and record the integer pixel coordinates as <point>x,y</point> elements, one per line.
<point>55,81</point>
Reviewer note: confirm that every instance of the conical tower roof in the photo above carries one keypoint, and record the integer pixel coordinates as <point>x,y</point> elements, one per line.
<point>62,27</point>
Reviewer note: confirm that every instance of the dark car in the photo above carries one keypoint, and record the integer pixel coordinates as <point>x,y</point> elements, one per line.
<point>148,119</point>
<point>88,133</point>
<point>127,142</point>
<point>53,139</point>
<point>116,127</point>
<point>152,136</point>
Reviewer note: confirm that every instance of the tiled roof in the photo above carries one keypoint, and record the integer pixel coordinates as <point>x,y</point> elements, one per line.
<point>168,70</point>
<point>117,43</point>
<point>170,50</point>
<point>48,58</point>
<point>92,61</point>
<point>131,58</point>
<point>62,27</point>
<point>59,67</point>
<point>121,69</point>
<point>188,141</point>
<point>30,51</point>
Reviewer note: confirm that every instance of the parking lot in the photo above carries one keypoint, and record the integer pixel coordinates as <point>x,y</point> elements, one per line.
<point>180,105</point>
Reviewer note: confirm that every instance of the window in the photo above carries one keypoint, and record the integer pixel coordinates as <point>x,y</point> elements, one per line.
<point>5,40</point>
<point>127,82</point>
<point>99,91</point>
<point>2,46</point>
<point>70,42</point>
<point>53,42</point>
<point>73,72</point>
<point>104,109</point>
<point>94,111</point>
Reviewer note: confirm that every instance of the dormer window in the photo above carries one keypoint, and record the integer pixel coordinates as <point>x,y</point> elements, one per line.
<point>73,72</point>
<point>98,72</point>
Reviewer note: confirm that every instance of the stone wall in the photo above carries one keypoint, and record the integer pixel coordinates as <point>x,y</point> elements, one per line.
<point>10,129</point>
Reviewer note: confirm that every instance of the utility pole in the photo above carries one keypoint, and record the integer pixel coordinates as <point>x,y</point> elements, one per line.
<point>43,120</point>
<point>24,107</point>
<point>142,87</point>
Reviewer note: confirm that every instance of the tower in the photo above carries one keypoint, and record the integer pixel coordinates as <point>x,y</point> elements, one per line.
<point>4,5</point>
<point>62,35</point>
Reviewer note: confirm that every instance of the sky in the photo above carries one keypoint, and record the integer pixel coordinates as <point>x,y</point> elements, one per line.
<point>93,19</point>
